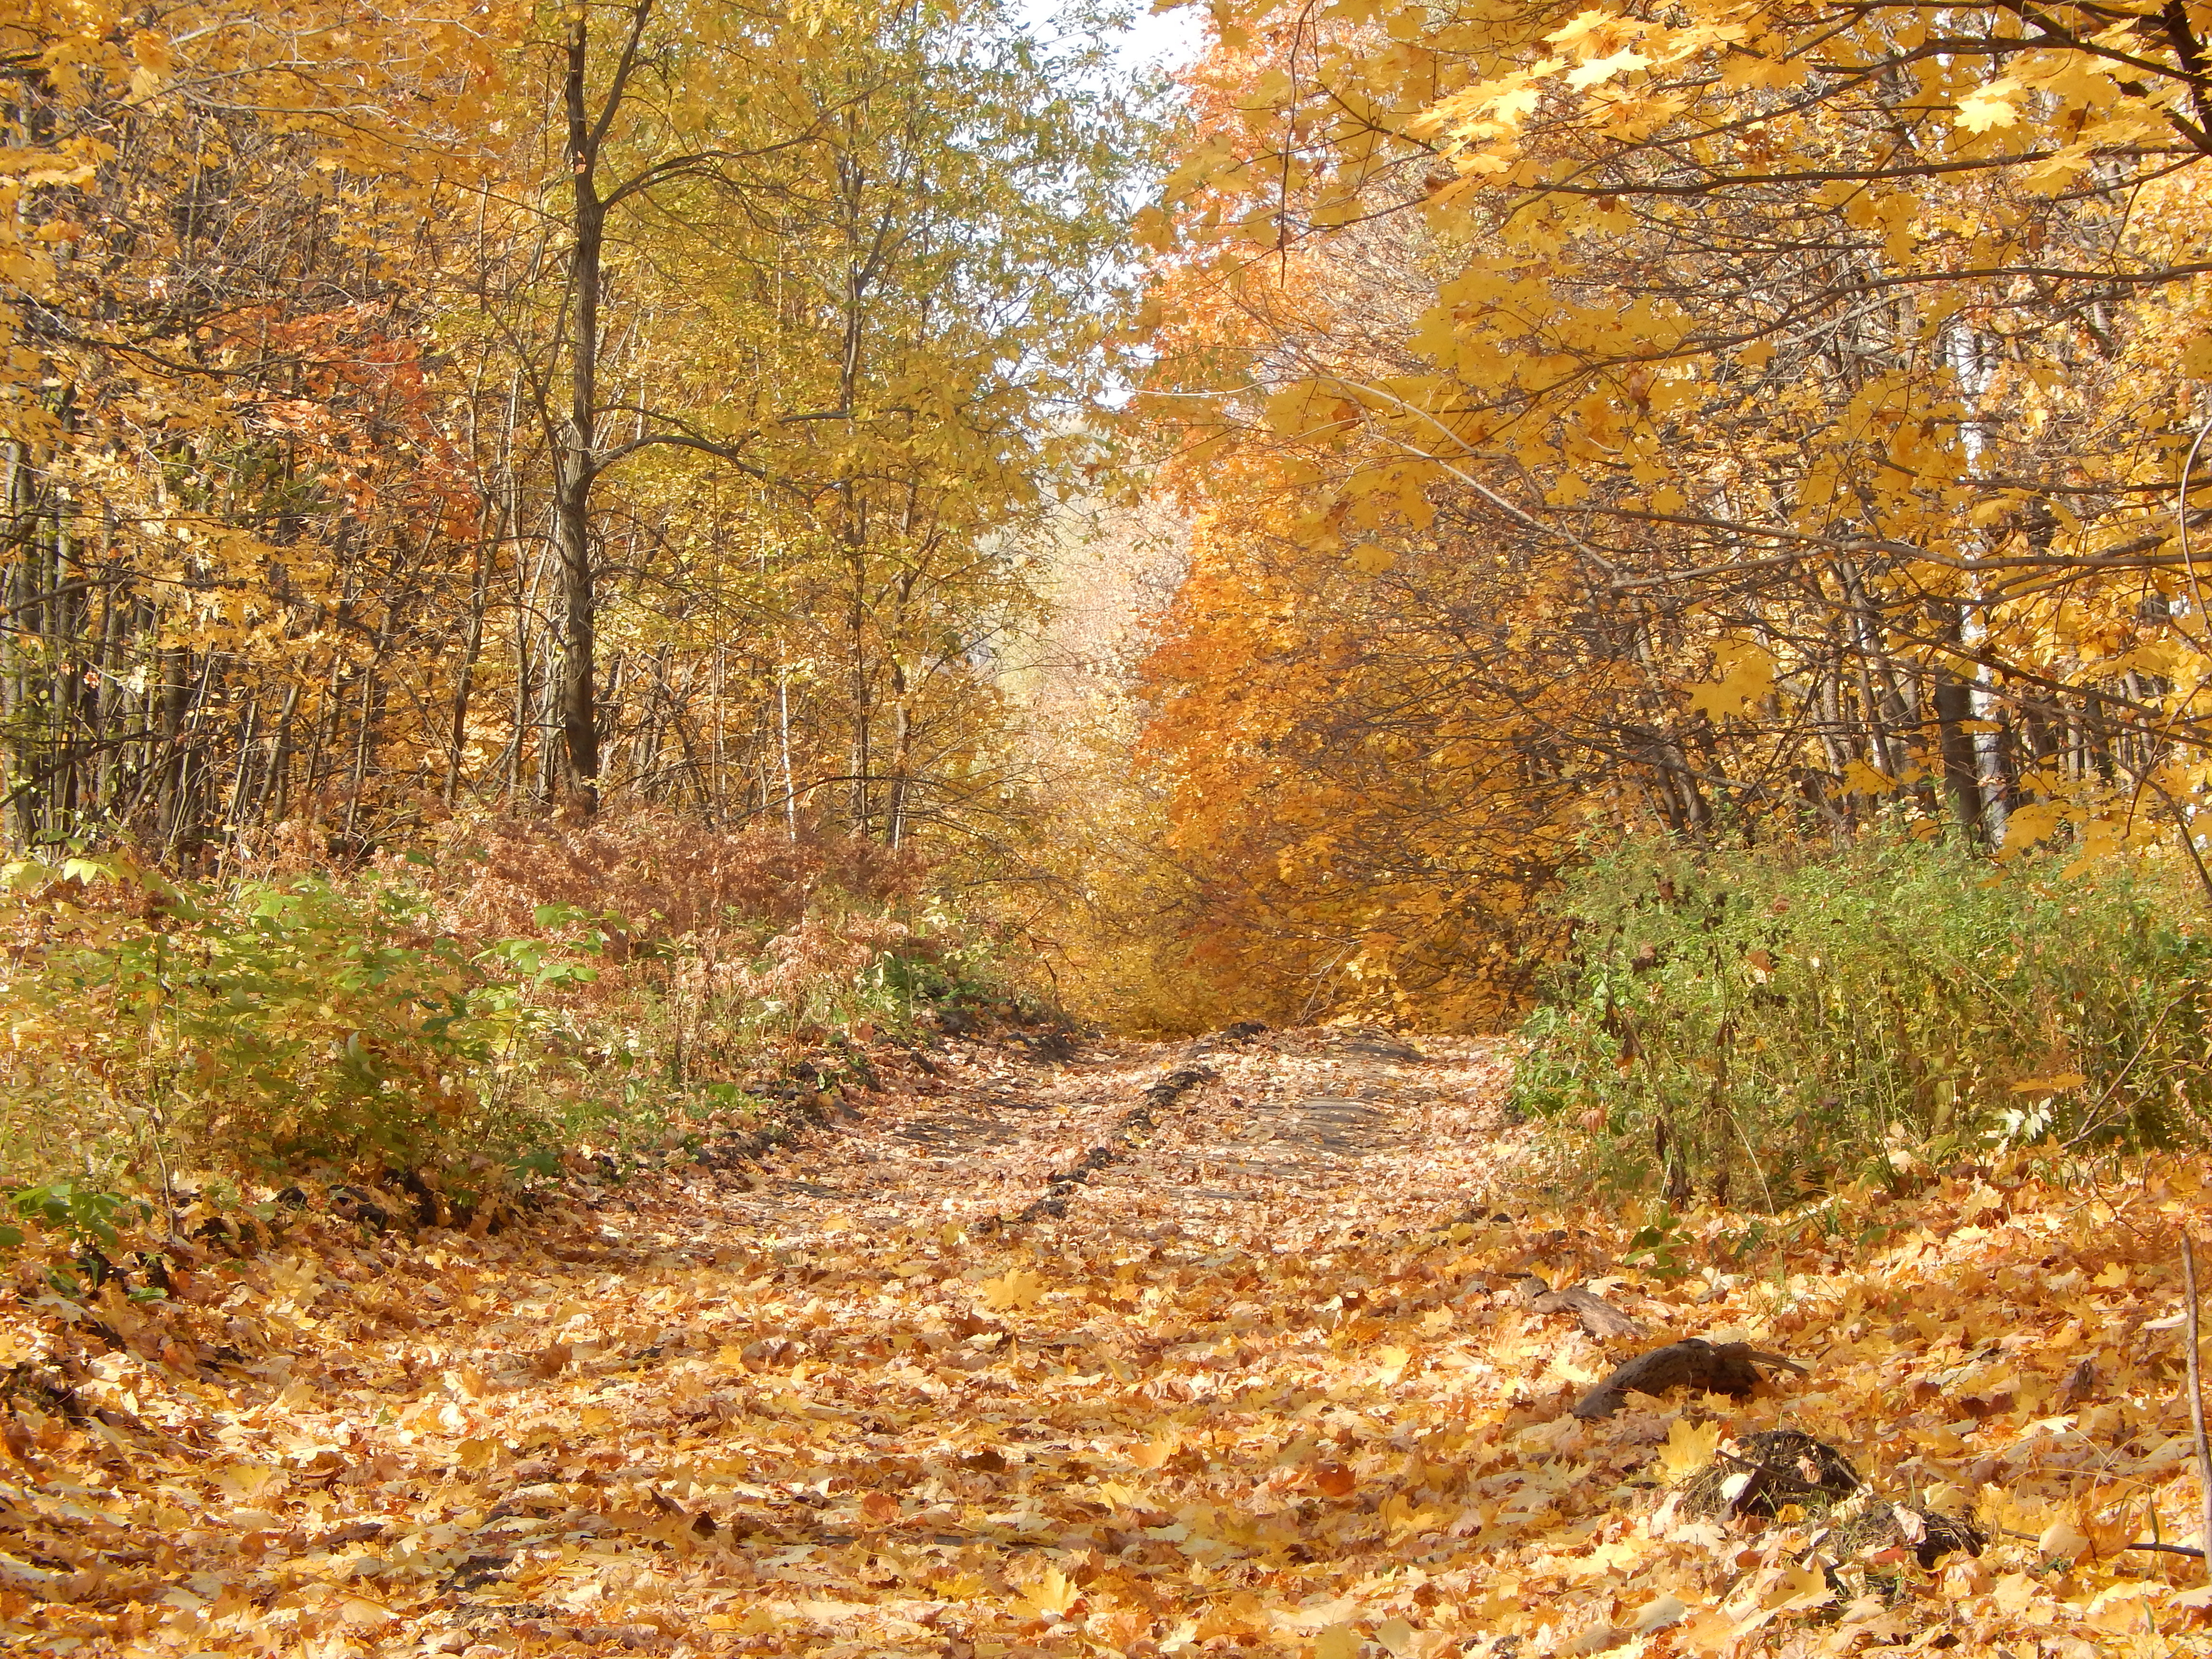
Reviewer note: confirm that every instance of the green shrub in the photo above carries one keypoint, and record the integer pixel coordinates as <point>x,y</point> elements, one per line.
<point>468,1012</point>
<point>258,1027</point>
<point>1758,1024</point>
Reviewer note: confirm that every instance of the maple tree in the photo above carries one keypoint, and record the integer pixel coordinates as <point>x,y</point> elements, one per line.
<point>1825,379</point>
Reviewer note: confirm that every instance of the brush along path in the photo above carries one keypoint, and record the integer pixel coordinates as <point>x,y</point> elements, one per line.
<point>1263,1381</point>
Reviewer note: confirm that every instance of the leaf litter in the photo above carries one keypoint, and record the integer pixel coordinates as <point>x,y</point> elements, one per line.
<point>1268,1380</point>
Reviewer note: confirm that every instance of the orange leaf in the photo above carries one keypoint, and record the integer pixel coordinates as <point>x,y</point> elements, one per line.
<point>1333,1478</point>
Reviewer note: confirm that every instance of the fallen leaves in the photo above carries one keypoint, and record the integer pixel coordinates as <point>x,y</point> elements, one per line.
<point>1689,1447</point>
<point>1174,1419</point>
<point>1015,1290</point>
<point>1333,1479</point>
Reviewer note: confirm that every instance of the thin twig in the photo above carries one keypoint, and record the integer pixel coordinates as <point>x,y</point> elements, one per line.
<point>2162,1549</point>
<point>2181,519</point>
<point>2168,1549</point>
<point>2196,1396</point>
<point>1321,983</point>
<point>2189,842</point>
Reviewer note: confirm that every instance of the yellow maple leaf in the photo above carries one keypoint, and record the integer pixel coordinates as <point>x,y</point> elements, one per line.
<point>1747,675</point>
<point>1156,1450</point>
<point>1862,779</point>
<point>244,1482</point>
<point>1599,70</point>
<point>1514,105</point>
<point>1052,1593</point>
<point>1395,1635</point>
<point>2063,1541</point>
<point>1581,27</point>
<point>364,1614</point>
<point>1710,1632</point>
<point>1689,1447</point>
<point>1015,1288</point>
<point>1988,106</point>
<point>1797,1586</point>
<point>2029,825</point>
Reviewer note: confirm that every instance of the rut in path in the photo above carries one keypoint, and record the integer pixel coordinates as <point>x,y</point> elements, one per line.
<point>847,1401</point>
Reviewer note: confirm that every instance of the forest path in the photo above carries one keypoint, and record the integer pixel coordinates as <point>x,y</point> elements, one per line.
<point>903,1387</point>
<point>1167,1353</point>
<point>1243,1140</point>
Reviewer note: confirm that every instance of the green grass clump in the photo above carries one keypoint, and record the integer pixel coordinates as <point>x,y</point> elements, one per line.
<point>1759,1025</point>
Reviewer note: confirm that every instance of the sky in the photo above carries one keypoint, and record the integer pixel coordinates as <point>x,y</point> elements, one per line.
<point>1169,38</point>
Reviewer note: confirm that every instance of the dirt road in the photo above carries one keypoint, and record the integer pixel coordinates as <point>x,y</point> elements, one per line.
<point>1029,1356</point>
<point>1227,1350</point>
<point>1257,1142</point>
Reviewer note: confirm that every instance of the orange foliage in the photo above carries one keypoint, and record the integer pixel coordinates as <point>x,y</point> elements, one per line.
<point>1565,459</point>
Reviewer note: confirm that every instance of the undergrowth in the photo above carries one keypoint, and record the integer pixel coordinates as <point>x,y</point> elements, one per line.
<point>467,1012</point>
<point>1763,1026</point>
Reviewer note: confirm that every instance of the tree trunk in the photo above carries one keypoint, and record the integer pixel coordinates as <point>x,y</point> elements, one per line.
<point>471,648</point>
<point>1954,709</point>
<point>574,462</point>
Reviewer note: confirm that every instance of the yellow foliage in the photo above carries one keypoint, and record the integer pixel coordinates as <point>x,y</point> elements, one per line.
<point>1651,320</point>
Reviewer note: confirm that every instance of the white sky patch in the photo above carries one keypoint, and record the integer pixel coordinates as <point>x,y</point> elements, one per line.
<point>1166,39</point>
<point>1170,40</point>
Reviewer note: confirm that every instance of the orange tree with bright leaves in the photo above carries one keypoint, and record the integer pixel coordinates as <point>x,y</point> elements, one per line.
<point>1835,367</point>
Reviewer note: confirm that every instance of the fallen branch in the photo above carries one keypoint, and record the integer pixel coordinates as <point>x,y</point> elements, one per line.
<point>1598,1317</point>
<point>1701,1367</point>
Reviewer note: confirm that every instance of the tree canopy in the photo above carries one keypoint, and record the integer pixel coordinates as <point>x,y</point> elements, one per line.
<point>1743,419</point>
<point>408,408</point>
